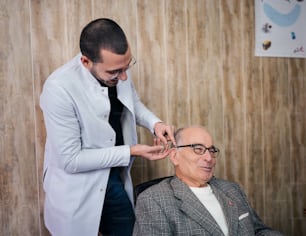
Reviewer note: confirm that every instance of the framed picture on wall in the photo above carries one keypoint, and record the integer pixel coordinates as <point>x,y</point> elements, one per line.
<point>280,28</point>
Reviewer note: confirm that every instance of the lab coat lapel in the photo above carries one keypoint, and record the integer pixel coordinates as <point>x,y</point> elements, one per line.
<point>229,208</point>
<point>192,207</point>
<point>125,95</point>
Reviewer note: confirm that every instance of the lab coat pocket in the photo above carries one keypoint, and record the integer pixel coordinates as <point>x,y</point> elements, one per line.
<point>64,190</point>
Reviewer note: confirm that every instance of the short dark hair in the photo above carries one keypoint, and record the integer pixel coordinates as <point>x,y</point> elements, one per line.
<point>100,34</point>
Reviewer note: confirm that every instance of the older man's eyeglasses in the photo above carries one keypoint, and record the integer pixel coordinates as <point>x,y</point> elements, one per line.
<point>200,149</point>
<point>116,73</point>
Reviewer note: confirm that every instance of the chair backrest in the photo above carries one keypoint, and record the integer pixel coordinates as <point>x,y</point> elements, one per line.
<point>143,186</point>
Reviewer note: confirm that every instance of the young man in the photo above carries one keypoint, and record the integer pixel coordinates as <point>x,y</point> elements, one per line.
<point>91,110</point>
<point>194,202</point>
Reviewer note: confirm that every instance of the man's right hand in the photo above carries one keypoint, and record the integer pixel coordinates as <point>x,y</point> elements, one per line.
<point>156,152</point>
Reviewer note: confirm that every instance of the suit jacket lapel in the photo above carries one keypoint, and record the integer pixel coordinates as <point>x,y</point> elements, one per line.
<point>229,208</point>
<point>192,207</point>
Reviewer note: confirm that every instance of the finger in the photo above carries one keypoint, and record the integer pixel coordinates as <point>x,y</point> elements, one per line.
<point>157,142</point>
<point>158,156</point>
<point>169,135</point>
<point>163,154</point>
<point>163,139</point>
<point>156,149</point>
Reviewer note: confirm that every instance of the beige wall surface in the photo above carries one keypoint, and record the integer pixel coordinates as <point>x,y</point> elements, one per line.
<point>195,65</point>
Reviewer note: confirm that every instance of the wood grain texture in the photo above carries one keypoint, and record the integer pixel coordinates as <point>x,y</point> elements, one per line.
<point>18,179</point>
<point>151,53</point>
<point>176,77</point>
<point>276,134</point>
<point>252,91</point>
<point>232,88</point>
<point>204,70</point>
<point>77,15</point>
<point>195,65</point>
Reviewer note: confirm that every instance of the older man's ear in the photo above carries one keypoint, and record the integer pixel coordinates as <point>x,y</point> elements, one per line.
<point>173,156</point>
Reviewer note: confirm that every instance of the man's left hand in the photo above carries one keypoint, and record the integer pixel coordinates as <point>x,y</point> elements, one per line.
<point>164,132</point>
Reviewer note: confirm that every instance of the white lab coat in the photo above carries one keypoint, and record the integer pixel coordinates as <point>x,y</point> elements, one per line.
<point>80,149</point>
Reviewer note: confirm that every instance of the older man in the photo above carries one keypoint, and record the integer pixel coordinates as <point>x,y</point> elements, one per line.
<point>194,202</point>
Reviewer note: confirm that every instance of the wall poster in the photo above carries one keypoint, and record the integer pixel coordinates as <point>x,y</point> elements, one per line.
<point>280,28</point>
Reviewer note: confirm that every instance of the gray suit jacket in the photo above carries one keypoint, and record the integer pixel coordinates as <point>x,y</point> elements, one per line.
<point>171,208</point>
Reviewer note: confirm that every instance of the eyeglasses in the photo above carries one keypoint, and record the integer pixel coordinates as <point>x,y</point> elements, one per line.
<point>115,73</point>
<point>200,149</point>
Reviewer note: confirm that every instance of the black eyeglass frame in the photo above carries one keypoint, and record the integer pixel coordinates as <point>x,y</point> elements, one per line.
<point>212,149</point>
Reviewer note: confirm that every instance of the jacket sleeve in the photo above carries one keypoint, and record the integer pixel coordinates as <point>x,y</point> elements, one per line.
<point>150,219</point>
<point>64,136</point>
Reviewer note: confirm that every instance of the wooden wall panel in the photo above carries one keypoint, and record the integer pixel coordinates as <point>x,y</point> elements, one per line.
<point>19,212</point>
<point>297,98</point>
<point>233,85</point>
<point>204,70</point>
<point>276,135</point>
<point>77,15</point>
<point>175,86</point>
<point>252,91</point>
<point>176,77</point>
<point>151,53</point>
<point>297,120</point>
<point>195,65</point>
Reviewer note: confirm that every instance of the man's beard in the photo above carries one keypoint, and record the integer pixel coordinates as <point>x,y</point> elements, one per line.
<point>109,83</point>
